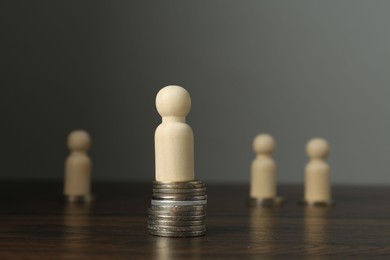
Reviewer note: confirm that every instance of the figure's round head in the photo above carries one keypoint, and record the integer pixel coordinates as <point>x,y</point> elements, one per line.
<point>317,148</point>
<point>173,101</point>
<point>79,140</point>
<point>264,143</point>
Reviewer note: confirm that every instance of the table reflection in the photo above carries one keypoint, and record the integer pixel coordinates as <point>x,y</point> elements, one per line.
<point>316,224</point>
<point>262,223</point>
<point>76,221</point>
<point>166,248</point>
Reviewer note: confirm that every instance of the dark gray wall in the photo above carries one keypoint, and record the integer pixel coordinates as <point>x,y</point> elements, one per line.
<point>295,69</point>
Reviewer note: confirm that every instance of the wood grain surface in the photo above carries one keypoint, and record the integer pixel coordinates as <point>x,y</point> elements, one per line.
<point>34,225</point>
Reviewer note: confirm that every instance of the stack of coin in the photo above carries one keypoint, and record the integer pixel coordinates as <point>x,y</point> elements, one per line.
<point>178,209</point>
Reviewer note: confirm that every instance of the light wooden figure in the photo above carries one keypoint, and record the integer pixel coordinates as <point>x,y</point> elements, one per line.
<point>317,173</point>
<point>77,187</point>
<point>174,139</point>
<point>263,172</point>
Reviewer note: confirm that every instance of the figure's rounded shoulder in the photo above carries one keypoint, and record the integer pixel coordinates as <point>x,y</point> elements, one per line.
<point>78,159</point>
<point>173,129</point>
<point>266,164</point>
<point>318,166</point>
<point>175,126</point>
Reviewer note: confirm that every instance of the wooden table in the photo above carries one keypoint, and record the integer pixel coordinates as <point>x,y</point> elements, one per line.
<point>33,225</point>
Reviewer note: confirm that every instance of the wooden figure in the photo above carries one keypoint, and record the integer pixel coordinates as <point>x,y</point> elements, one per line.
<point>263,173</point>
<point>77,184</point>
<point>174,139</point>
<point>317,174</point>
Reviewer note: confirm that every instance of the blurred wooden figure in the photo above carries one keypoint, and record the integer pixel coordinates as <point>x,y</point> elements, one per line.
<point>317,174</point>
<point>78,166</point>
<point>263,173</point>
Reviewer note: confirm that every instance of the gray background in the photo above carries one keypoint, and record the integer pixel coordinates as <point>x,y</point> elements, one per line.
<point>295,69</point>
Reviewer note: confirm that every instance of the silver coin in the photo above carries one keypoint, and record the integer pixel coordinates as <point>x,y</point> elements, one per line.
<point>177,218</point>
<point>182,187</point>
<point>176,223</point>
<point>179,185</point>
<point>200,216</point>
<point>169,222</point>
<point>167,202</point>
<point>177,234</point>
<point>179,208</point>
<point>174,214</point>
<point>177,229</point>
<point>179,191</point>
<point>179,194</point>
<point>178,197</point>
